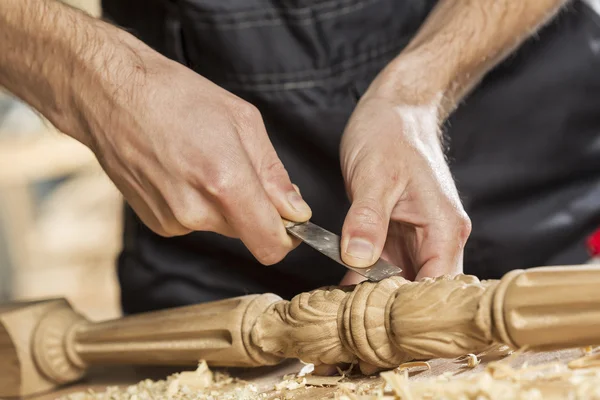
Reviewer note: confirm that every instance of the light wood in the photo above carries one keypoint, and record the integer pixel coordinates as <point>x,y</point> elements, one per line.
<point>265,378</point>
<point>380,325</point>
<point>19,373</point>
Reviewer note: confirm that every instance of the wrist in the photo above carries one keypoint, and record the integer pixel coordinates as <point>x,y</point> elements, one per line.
<point>66,64</point>
<point>105,81</point>
<point>414,80</point>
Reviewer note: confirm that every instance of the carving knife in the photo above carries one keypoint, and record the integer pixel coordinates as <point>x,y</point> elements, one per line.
<point>328,243</point>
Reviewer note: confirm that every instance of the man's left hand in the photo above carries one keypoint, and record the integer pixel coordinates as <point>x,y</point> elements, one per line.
<point>405,206</point>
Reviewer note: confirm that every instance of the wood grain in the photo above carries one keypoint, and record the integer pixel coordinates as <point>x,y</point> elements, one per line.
<point>376,325</point>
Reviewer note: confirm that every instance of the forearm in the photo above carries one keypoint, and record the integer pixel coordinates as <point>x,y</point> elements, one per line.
<point>60,61</point>
<point>458,43</point>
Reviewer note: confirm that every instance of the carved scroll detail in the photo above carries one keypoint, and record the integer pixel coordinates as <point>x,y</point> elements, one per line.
<point>304,327</point>
<point>438,317</point>
<point>381,324</point>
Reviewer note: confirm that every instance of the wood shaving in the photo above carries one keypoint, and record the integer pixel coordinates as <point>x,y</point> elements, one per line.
<point>306,369</point>
<point>579,379</point>
<point>587,361</point>
<point>516,385</point>
<point>291,384</point>
<point>200,384</point>
<point>313,380</point>
<point>413,364</point>
<point>499,350</point>
<point>346,371</point>
<point>471,360</point>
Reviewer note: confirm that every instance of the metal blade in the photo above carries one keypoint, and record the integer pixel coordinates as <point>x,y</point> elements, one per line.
<point>328,243</point>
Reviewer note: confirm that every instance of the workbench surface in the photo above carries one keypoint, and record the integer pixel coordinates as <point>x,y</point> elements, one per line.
<point>265,378</point>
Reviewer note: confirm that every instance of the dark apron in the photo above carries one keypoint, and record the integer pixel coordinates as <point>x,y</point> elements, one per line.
<point>524,147</point>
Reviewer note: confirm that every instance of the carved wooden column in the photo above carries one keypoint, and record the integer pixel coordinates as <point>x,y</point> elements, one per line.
<point>379,325</point>
<point>548,307</point>
<point>43,344</point>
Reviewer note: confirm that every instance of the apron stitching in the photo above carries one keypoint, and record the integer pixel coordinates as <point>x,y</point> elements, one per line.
<point>305,84</point>
<point>325,72</point>
<point>267,13</point>
<point>278,20</point>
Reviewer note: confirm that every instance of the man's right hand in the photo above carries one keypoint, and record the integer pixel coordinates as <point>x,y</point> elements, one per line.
<point>186,154</point>
<point>190,156</point>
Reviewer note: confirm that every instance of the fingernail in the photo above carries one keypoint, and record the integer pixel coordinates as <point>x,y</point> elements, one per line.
<point>298,203</point>
<point>360,249</point>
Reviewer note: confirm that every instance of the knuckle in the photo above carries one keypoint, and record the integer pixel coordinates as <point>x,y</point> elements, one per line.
<point>190,220</point>
<point>367,214</point>
<point>171,229</point>
<point>221,186</point>
<point>462,226</point>
<point>162,232</point>
<point>246,111</point>
<point>273,171</point>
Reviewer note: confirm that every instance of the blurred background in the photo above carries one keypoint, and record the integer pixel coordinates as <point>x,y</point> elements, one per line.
<point>60,216</point>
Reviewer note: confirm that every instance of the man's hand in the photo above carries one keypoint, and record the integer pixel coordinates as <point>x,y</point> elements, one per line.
<point>404,201</point>
<point>186,154</point>
<point>190,156</point>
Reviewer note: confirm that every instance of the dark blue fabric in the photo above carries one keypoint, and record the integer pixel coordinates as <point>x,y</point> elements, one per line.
<point>523,147</point>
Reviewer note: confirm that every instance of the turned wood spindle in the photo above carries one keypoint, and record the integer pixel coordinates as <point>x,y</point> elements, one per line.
<point>378,325</point>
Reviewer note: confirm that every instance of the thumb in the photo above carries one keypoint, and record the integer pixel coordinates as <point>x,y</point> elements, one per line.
<point>365,228</point>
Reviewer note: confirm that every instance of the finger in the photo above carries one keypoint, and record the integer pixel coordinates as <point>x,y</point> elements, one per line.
<point>296,242</point>
<point>239,195</point>
<point>270,170</point>
<point>150,206</point>
<point>287,200</point>
<point>196,213</point>
<point>166,227</point>
<point>399,246</point>
<point>440,227</point>
<point>365,228</point>
<point>443,247</point>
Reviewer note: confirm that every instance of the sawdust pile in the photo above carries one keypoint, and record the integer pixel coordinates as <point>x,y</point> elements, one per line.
<point>578,379</point>
<point>498,381</point>
<point>201,384</point>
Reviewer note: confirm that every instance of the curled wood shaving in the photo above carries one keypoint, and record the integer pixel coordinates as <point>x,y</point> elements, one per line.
<point>498,349</point>
<point>590,360</point>
<point>306,369</point>
<point>413,364</point>
<point>312,380</point>
<point>471,360</point>
<point>347,371</point>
